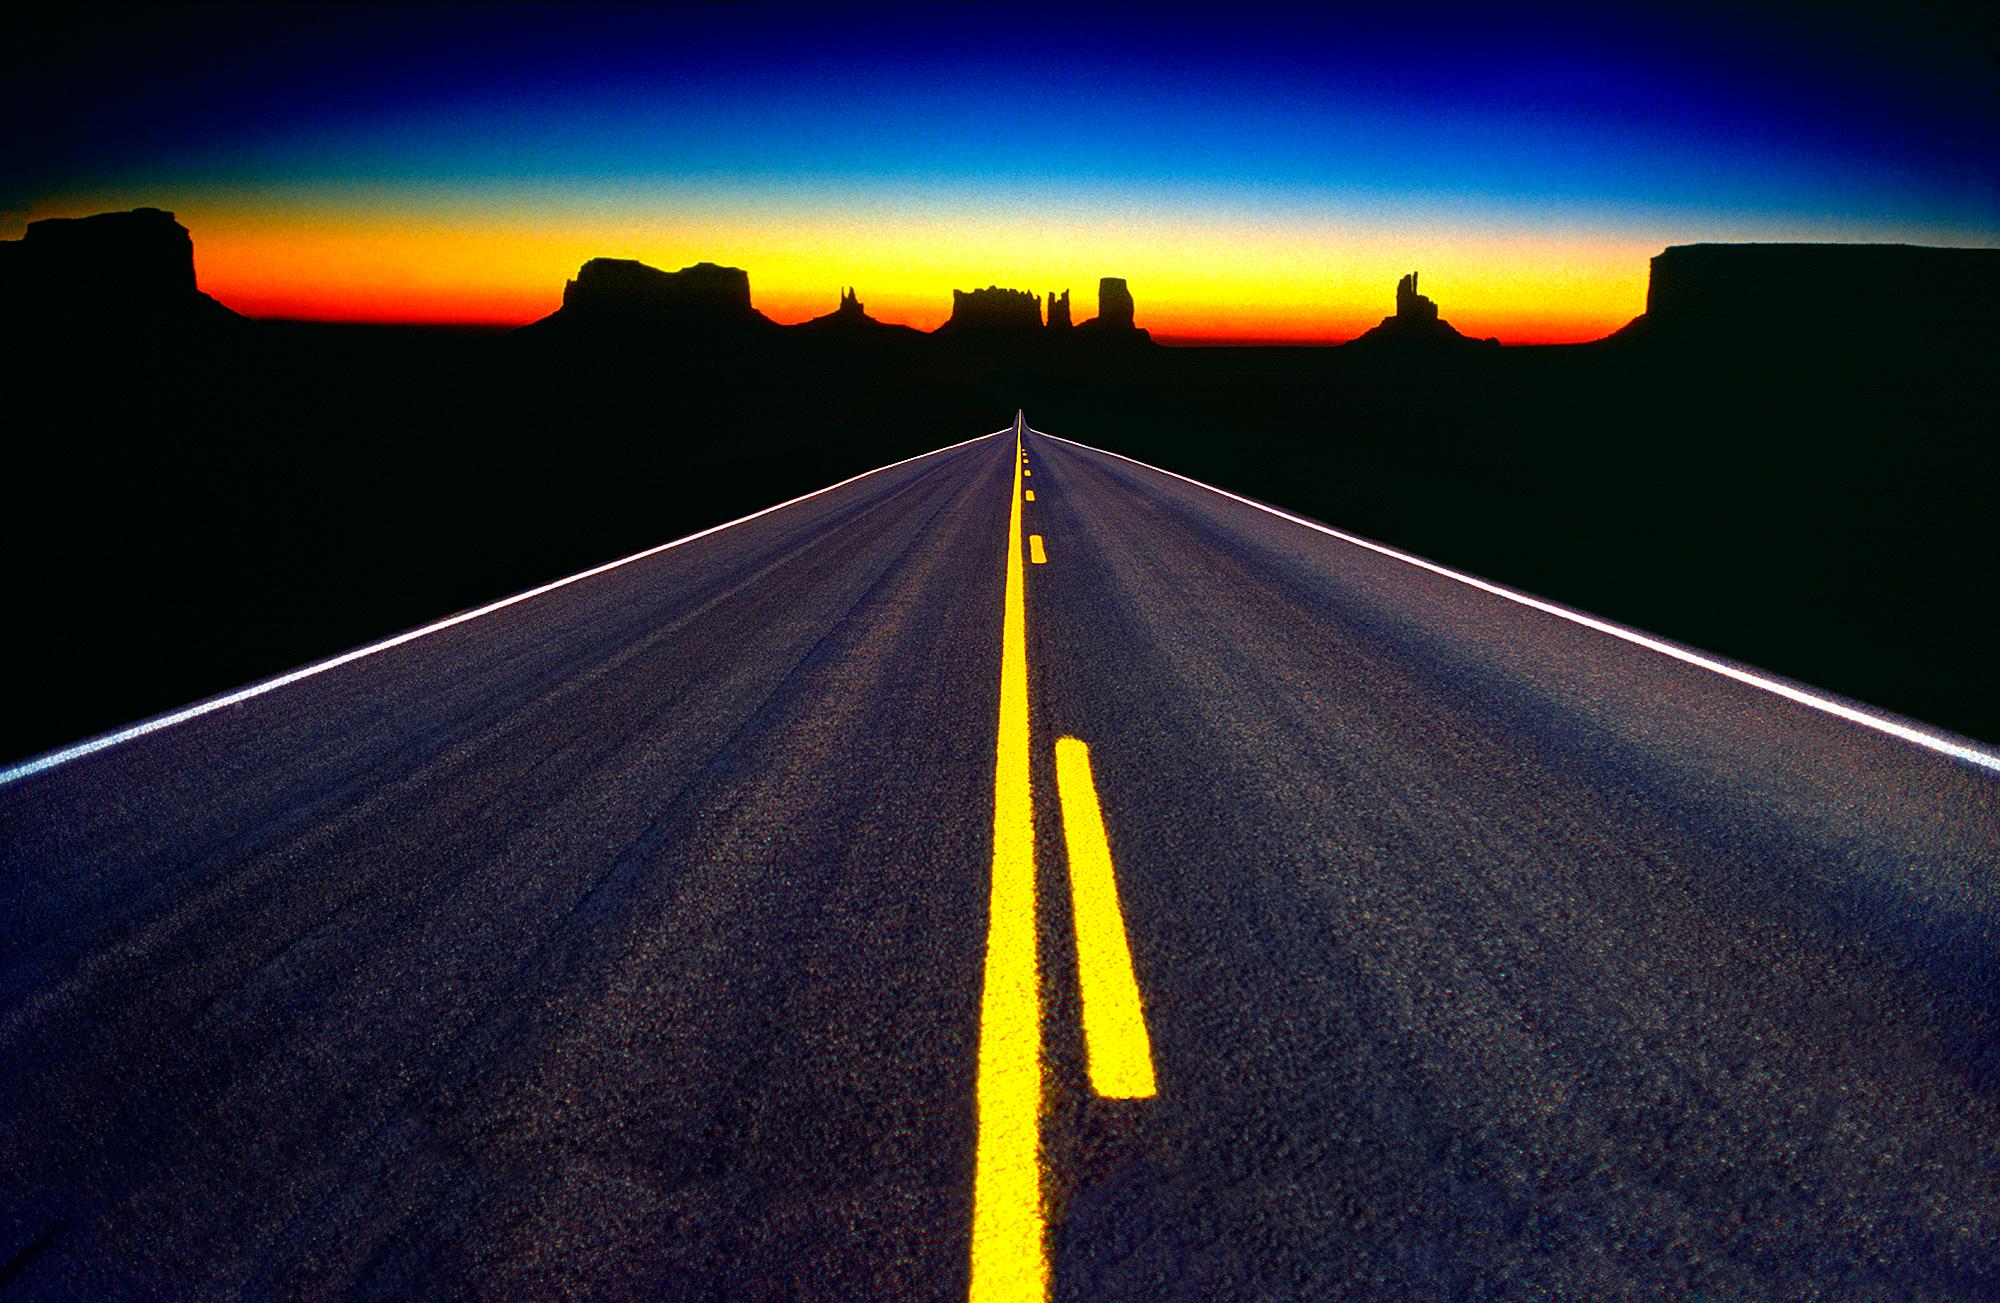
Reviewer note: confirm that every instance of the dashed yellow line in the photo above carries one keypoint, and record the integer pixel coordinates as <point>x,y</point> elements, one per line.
<point>1009,1233</point>
<point>1114,1021</point>
<point>1009,1262</point>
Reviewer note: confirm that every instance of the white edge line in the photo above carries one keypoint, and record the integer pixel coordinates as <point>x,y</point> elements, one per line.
<point>42,763</point>
<point>1867,719</point>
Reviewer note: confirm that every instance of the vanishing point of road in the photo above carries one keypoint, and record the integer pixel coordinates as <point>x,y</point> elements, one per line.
<point>1013,873</point>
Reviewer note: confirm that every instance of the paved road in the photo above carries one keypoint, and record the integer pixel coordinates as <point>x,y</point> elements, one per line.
<point>628,941</point>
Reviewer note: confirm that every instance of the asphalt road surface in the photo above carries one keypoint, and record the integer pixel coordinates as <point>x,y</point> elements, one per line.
<point>635,940</point>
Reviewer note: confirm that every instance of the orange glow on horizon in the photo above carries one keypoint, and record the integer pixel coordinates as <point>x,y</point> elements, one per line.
<point>1207,280</point>
<point>513,308</point>
<point>509,306</point>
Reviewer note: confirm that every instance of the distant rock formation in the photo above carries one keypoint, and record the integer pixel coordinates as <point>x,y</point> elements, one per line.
<point>1114,304</point>
<point>849,315</point>
<point>993,309</point>
<point>620,285</point>
<point>1114,319</point>
<point>851,321</point>
<point>1416,324</point>
<point>1758,299</point>
<point>132,270</point>
<point>1412,306</point>
<point>702,301</point>
<point>1059,310</point>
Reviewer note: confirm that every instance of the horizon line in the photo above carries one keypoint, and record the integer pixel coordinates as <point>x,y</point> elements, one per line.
<point>1251,323</point>
<point>1166,339</point>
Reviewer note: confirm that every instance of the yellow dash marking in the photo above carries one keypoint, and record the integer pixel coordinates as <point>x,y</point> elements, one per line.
<point>1114,1023</point>
<point>1035,550</point>
<point>1026,471</point>
<point>1009,1263</point>
<point>1031,495</point>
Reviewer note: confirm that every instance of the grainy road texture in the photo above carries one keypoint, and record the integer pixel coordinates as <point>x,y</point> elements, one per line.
<point>627,942</point>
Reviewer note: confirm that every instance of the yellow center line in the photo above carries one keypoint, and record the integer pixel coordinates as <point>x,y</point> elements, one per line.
<point>1114,1022</point>
<point>1035,551</point>
<point>1009,1264</point>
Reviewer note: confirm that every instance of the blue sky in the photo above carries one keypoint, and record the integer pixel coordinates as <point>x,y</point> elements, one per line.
<point>1738,122</point>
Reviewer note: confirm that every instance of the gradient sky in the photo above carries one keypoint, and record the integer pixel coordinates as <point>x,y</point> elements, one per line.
<point>1252,173</point>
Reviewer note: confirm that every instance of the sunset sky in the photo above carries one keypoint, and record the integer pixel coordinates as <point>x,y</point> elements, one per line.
<point>1253,175</point>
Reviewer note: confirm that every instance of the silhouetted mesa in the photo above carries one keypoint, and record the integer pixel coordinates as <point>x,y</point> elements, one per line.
<point>1416,324</point>
<point>1059,310</point>
<point>618,292</point>
<point>993,309</point>
<point>1844,297</point>
<point>111,271</point>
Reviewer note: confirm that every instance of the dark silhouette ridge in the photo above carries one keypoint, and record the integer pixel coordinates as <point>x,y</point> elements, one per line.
<point>709,307</point>
<point>992,310</point>
<point>1416,325</point>
<point>853,316</point>
<point>111,271</point>
<point>1059,310</point>
<point>850,321</point>
<point>1761,300</point>
<point>335,483</point>
<point>619,293</point>
<point>850,308</point>
<point>619,284</point>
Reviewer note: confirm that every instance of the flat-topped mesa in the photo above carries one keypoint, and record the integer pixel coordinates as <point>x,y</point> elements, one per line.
<point>1736,299</point>
<point>621,287</point>
<point>109,271</point>
<point>1059,310</point>
<point>993,309</point>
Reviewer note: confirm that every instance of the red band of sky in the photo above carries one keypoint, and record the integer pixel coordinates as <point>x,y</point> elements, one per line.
<point>1211,282</point>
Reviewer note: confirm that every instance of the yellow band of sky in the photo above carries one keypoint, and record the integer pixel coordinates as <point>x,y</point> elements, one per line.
<point>379,257</point>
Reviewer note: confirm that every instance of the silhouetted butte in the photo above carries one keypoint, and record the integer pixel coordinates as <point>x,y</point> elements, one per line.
<point>1415,327</point>
<point>108,272</point>
<point>1780,301</point>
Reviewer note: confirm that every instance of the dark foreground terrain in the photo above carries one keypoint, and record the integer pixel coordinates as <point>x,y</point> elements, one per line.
<point>190,510</point>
